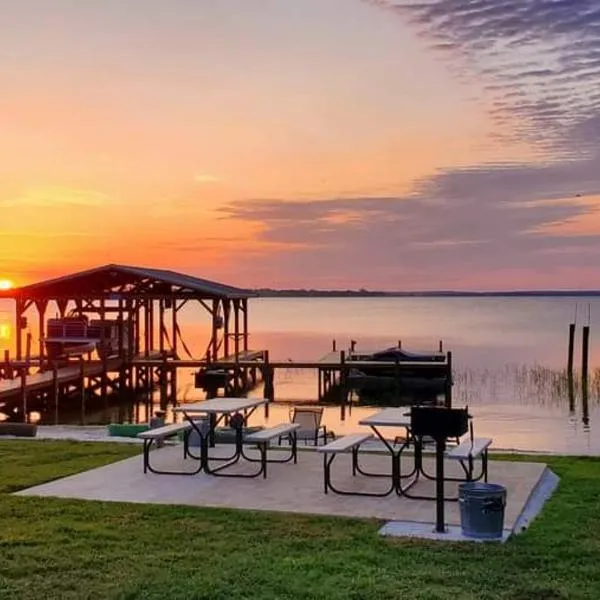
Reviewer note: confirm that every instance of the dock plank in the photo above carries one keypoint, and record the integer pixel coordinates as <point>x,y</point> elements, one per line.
<point>39,381</point>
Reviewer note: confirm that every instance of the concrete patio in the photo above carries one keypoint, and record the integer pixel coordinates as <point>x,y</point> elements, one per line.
<point>288,488</point>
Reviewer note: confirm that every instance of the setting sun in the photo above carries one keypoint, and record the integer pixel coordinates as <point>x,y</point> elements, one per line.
<point>5,284</point>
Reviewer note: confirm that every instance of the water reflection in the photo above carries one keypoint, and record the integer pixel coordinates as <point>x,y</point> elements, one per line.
<point>509,357</point>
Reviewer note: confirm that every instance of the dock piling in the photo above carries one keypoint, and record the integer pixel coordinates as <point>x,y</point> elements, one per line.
<point>571,348</point>
<point>585,352</point>
<point>24,393</point>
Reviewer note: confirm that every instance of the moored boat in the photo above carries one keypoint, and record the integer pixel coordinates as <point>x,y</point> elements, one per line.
<point>76,335</point>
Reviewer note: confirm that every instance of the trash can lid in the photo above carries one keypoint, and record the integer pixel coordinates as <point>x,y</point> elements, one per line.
<point>481,488</point>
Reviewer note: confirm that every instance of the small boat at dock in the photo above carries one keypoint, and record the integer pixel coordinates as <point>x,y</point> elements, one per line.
<point>76,335</point>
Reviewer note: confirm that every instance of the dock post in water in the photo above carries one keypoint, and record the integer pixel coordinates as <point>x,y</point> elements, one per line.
<point>82,384</point>
<point>585,353</point>
<point>571,349</point>
<point>343,386</point>
<point>24,393</point>
<point>55,392</point>
<point>269,390</point>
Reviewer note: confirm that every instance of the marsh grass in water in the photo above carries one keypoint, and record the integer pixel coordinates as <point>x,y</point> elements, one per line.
<point>54,548</point>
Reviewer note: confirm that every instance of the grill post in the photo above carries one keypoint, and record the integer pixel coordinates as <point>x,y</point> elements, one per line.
<point>440,447</point>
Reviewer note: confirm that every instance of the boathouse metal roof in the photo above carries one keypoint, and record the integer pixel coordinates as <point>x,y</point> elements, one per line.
<point>117,279</point>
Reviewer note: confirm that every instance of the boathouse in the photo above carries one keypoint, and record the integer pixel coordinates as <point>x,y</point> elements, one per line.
<point>138,308</point>
<point>135,295</point>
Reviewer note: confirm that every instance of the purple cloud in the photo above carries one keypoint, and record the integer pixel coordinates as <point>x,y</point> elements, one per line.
<point>540,58</point>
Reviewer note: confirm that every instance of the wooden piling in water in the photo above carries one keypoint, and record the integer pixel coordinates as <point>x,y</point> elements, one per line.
<point>82,384</point>
<point>571,348</point>
<point>343,386</point>
<point>24,393</point>
<point>55,392</point>
<point>585,341</point>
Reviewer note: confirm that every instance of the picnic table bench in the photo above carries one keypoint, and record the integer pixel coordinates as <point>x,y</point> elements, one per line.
<point>467,451</point>
<point>159,434</point>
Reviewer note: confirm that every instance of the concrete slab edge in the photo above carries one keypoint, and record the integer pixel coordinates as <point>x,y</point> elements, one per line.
<point>541,493</point>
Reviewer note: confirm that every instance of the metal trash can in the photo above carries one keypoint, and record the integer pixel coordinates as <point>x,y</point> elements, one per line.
<point>194,438</point>
<point>482,509</point>
<point>158,420</point>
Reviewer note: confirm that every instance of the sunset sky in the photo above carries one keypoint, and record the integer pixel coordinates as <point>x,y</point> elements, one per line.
<point>439,144</point>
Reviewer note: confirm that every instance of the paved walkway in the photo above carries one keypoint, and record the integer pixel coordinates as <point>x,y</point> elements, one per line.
<point>289,488</point>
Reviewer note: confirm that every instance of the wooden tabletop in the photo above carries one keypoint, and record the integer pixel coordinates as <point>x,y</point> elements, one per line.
<point>389,417</point>
<point>220,405</point>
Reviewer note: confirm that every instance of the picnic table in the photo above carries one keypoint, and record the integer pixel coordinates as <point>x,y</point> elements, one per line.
<point>396,418</point>
<point>237,411</point>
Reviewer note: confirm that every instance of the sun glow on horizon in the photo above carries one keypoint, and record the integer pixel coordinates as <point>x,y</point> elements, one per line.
<point>6,284</point>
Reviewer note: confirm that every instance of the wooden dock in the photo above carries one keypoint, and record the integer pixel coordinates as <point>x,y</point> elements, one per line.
<point>35,382</point>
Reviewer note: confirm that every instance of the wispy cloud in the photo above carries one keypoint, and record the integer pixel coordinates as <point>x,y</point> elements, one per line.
<point>539,60</point>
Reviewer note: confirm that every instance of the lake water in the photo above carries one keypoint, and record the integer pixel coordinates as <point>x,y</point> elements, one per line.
<point>509,359</point>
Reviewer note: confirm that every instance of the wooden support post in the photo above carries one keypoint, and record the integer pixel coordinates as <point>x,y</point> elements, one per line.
<point>82,384</point>
<point>320,384</point>
<point>150,308</point>
<point>245,323</point>
<point>174,337</point>
<point>585,407</point>
<point>121,330</point>
<point>130,333</point>
<point>55,392</point>
<point>161,325</point>
<point>441,346</point>
<point>226,332</point>
<point>214,329</point>
<point>8,371</point>
<point>28,350</point>
<point>571,348</point>
<point>103,355</point>
<point>163,382</point>
<point>571,392</point>
<point>268,381</point>
<point>585,352</point>
<point>146,330</point>
<point>18,328</point>
<point>236,327</point>
<point>136,327</point>
<point>24,394</point>
<point>343,389</point>
<point>41,306</point>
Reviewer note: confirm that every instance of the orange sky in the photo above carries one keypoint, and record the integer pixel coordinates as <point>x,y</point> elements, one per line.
<point>138,139</point>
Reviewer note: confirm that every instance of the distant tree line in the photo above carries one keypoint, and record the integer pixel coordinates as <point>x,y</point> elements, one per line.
<point>300,293</point>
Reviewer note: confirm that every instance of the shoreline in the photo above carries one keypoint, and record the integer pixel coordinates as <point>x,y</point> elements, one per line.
<point>99,433</point>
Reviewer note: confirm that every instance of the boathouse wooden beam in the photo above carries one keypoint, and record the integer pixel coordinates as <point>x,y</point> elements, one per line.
<point>236,328</point>
<point>244,303</point>
<point>161,326</point>
<point>18,329</point>
<point>62,305</point>
<point>41,306</point>
<point>213,339</point>
<point>150,305</point>
<point>174,329</point>
<point>226,315</point>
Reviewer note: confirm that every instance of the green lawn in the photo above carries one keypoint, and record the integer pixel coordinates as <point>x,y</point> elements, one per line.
<point>52,548</point>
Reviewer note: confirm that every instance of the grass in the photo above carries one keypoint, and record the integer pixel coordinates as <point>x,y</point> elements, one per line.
<point>54,548</point>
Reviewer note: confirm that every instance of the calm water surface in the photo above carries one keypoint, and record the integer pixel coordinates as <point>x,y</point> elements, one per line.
<point>509,358</point>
